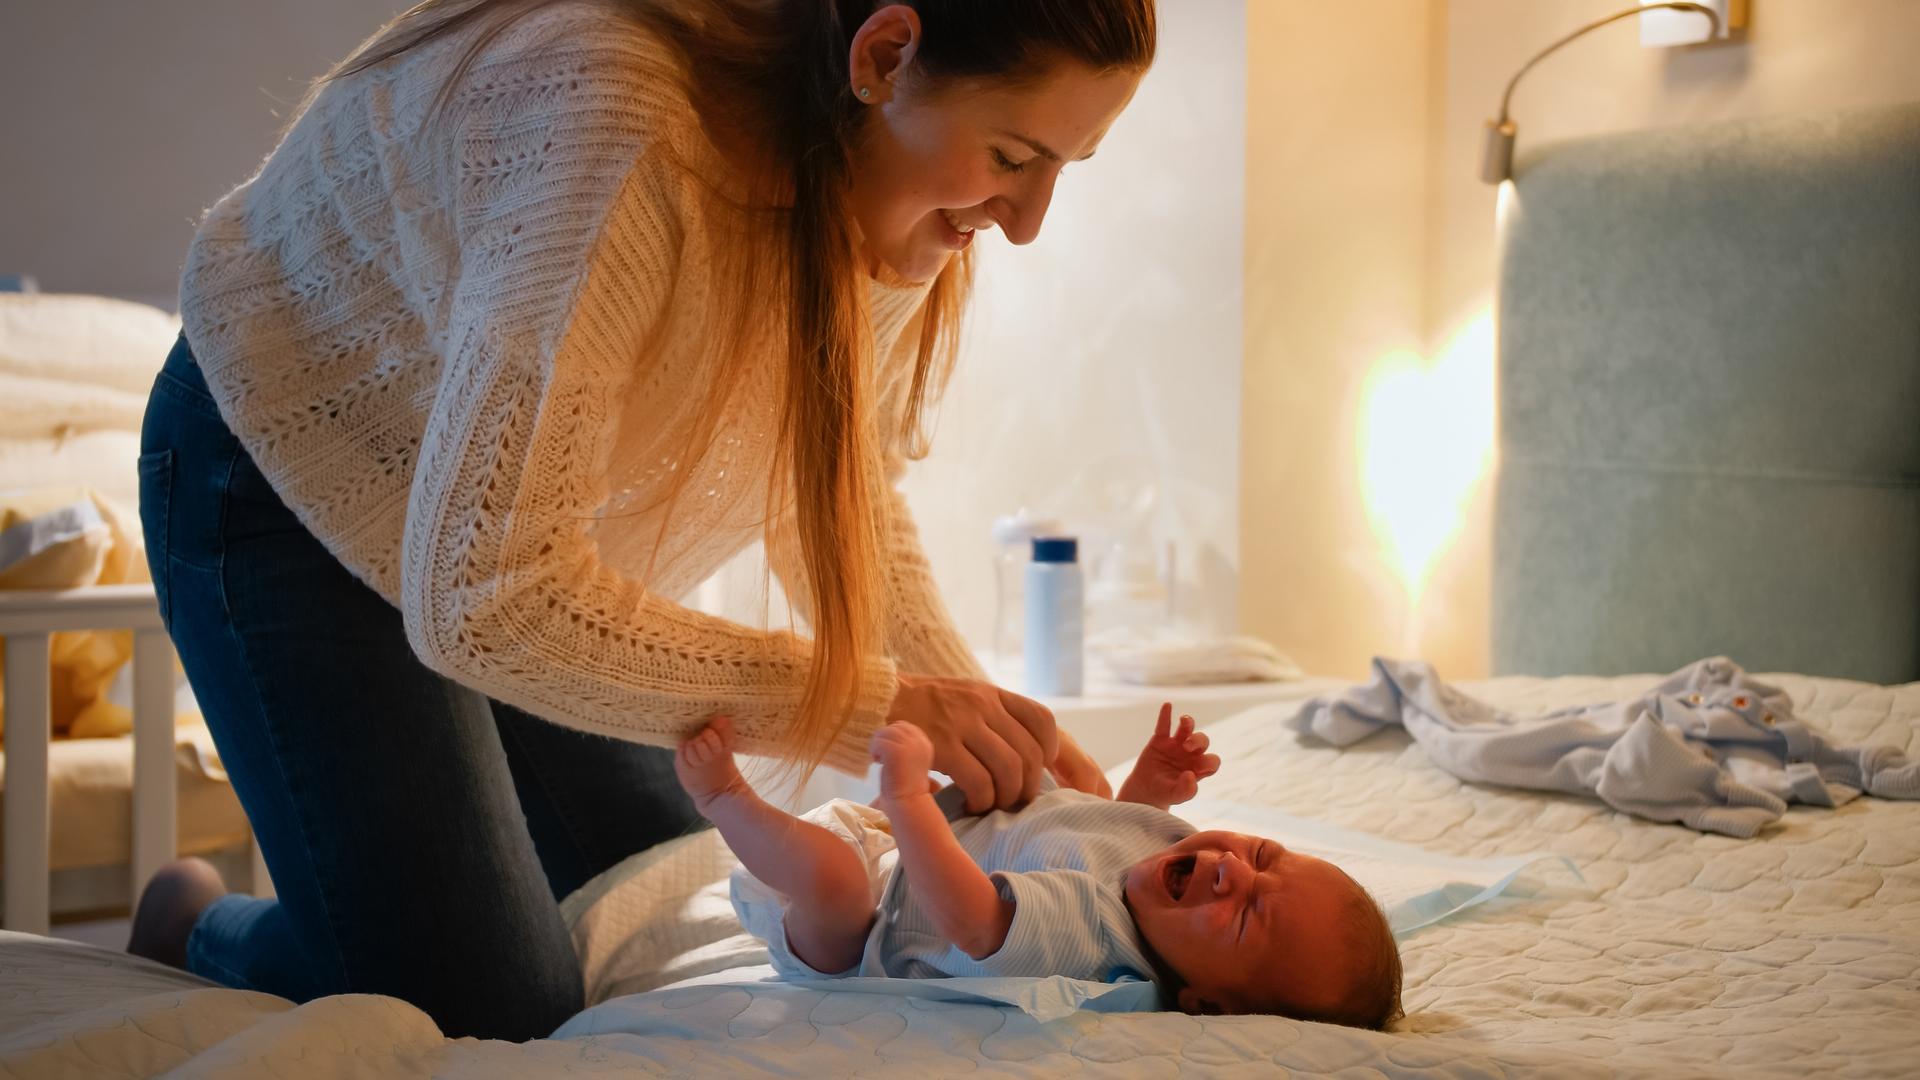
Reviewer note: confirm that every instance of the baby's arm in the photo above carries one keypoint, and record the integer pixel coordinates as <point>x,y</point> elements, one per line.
<point>1171,767</point>
<point>966,908</point>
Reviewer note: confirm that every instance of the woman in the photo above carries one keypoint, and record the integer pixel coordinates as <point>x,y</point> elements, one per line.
<point>539,312</point>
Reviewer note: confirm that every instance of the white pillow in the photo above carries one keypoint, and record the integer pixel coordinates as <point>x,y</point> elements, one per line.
<point>96,340</point>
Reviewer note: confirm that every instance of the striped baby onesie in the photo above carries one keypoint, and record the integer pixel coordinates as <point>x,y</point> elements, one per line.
<point>1063,861</point>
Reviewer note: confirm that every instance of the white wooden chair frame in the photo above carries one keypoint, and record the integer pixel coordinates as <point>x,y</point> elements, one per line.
<point>28,619</point>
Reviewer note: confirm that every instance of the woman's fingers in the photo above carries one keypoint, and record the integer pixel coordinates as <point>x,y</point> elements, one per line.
<point>1074,769</point>
<point>1026,747</point>
<point>971,777</point>
<point>1001,762</point>
<point>1036,718</point>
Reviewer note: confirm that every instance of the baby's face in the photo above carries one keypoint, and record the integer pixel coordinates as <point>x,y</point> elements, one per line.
<point>1237,915</point>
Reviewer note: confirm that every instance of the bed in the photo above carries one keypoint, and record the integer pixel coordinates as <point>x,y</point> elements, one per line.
<point>1675,954</point>
<point>1682,954</point>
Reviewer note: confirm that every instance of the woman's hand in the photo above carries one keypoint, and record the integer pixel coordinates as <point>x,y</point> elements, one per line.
<point>1171,767</point>
<point>1074,769</point>
<point>992,742</point>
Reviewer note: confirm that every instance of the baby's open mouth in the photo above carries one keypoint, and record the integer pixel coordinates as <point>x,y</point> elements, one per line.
<point>1176,873</point>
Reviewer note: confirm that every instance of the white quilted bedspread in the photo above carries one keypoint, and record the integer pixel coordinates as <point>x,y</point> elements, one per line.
<point>1793,954</point>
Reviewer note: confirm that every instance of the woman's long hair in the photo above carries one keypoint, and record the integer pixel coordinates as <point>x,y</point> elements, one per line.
<point>775,72</point>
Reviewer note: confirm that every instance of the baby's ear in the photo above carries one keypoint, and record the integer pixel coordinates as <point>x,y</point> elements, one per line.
<point>1192,1003</point>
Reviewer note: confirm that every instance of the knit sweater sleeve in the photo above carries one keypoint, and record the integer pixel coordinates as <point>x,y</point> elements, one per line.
<point>920,631</point>
<point>567,266</point>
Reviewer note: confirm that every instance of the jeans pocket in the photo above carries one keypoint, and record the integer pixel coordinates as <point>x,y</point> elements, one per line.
<point>156,499</point>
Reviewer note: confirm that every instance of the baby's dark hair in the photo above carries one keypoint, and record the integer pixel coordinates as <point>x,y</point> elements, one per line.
<point>1372,997</point>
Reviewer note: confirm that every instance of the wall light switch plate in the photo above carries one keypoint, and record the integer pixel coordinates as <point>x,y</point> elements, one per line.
<point>1666,27</point>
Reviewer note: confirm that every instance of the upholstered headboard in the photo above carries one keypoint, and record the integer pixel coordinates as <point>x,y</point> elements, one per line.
<point>1710,401</point>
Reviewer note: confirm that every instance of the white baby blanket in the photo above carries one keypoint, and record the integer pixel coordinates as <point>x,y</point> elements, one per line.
<point>663,917</point>
<point>1708,747</point>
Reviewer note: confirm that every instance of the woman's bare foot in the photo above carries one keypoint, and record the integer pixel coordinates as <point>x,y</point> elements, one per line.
<point>706,768</point>
<point>170,905</point>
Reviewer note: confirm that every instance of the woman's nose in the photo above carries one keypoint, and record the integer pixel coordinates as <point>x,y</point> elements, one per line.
<point>1021,215</point>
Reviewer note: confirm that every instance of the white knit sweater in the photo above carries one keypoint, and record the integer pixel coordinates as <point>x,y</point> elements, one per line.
<point>428,337</point>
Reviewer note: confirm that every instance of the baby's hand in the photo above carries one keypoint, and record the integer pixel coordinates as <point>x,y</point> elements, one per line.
<point>1172,765</point>
<point>905,754</point>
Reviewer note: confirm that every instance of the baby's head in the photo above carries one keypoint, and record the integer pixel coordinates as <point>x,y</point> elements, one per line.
<point>1239,924</point>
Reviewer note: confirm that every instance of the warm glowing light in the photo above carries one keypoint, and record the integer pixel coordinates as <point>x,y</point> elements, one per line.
<point>1506,209</point>
<point>1426,441</point>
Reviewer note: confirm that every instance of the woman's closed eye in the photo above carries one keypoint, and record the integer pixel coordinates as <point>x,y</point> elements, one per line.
<point>1005,163</point>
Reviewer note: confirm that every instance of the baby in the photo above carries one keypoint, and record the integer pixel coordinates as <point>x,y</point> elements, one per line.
<point>1072,884</point>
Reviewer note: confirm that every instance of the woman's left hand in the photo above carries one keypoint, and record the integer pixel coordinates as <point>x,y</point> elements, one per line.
<point>1073,768</point>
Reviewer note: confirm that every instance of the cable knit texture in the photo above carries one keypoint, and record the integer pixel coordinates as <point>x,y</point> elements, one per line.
<point>468,355</point>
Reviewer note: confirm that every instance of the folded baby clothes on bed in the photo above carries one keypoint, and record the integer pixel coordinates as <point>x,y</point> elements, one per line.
<point>1709,747</point>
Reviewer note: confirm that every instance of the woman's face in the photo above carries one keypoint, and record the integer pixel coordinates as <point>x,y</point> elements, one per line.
<point>939,160</point>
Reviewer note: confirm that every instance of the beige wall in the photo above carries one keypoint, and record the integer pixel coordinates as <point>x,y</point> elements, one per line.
<point>121,122</point>
<point>1329,290</point>
<point>1337,101</point>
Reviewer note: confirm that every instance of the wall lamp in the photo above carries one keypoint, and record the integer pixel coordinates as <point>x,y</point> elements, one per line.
<point>1497,165</point>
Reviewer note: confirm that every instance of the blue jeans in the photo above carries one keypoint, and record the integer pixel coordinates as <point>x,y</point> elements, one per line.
<point>419,834</point>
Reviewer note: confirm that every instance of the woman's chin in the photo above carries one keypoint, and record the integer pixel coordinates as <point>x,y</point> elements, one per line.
<point>915,267</point>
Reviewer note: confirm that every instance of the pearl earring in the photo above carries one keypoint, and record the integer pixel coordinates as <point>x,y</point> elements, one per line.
<point>866,92</point>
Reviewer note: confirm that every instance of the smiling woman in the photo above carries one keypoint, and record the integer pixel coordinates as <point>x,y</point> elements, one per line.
<point>951,154</point>
<point>541,311</point>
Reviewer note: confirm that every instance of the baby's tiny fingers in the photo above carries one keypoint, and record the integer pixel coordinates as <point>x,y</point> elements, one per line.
<point>1209,764</point>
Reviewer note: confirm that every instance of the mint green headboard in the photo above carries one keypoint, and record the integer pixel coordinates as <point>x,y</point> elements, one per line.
<point>1710,401</point>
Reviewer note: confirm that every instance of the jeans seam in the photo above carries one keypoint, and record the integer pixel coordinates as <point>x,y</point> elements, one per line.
<point>220,973</point>
<point>273,735</point>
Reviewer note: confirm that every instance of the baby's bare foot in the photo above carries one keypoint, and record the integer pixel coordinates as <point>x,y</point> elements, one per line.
<point>706,768</point>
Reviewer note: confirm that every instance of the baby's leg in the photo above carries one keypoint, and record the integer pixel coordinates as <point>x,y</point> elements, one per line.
<point>830,906</point>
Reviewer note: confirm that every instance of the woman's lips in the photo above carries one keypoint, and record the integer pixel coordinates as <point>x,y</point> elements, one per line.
<point>956,235</point>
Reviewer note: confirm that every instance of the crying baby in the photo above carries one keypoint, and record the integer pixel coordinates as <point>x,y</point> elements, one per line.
<point>1071,884</point>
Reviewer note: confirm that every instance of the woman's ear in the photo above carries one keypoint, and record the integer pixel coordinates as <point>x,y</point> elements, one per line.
<point>882,48</point>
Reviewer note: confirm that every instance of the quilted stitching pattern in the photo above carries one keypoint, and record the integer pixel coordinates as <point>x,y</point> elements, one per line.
<point>1685,955</point>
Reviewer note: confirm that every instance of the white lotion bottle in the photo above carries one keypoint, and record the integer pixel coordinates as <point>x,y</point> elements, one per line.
<point>1056,634</point>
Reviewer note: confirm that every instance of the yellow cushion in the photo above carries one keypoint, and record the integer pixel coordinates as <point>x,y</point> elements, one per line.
<point>64,538</point>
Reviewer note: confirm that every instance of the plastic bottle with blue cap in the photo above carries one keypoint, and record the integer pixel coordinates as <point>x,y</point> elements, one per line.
<point>1056,634</point>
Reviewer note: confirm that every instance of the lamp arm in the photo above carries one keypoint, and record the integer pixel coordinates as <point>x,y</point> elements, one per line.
<point>1677,5</point>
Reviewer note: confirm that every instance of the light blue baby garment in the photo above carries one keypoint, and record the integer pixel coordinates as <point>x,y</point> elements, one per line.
<point>1709,747</point>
